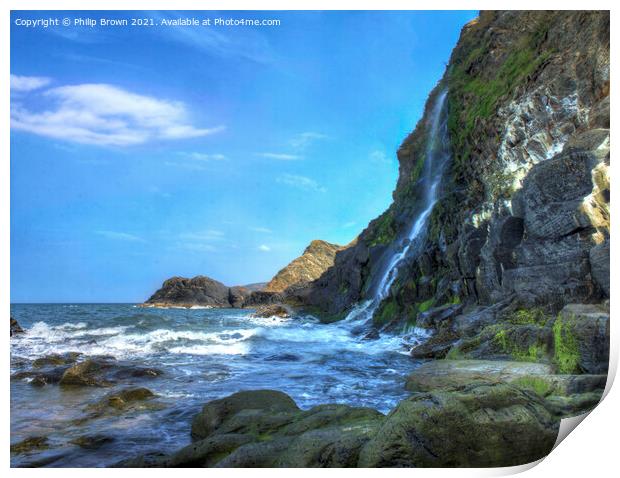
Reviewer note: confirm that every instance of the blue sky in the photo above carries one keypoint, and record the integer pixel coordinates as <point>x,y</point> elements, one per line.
<point>139,153</point>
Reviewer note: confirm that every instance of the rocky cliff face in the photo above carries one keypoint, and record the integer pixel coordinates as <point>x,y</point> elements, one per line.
<point>315,260</point>
<point>524,216</point>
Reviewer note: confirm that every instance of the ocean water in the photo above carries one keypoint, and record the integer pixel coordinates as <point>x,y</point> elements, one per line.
<point>204,354</point>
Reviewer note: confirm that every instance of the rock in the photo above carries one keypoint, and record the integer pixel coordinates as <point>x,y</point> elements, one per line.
<point>237,296</point>
<point>200,290</point>
<point>272,310</point>
<point>214,413</point>
<point>529,342</point>
<point>30,444</point>
<point>315,260</point>
<point>480,426</point>
<point>599,262</point>
<point>90,372</point>
<point>15,327</point>
<point>91,442</point>
<point>39,378</point>
<point>446,374</point>
<point>581,334</point>
<point>56,359</point>
<point>437,316</point>
<point>124,398</point>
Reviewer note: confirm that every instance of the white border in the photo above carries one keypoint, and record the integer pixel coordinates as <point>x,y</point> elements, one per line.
<point>590,452</point>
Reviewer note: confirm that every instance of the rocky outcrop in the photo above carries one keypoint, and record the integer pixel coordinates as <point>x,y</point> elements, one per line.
<point>200,291</point>
<point>15,327</point>
<point>315,260</point>
<point>272,310</point>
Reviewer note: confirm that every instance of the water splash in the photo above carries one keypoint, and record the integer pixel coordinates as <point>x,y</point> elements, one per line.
<point>437,155</point>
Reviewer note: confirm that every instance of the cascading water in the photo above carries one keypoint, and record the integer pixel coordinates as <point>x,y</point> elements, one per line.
<point>437,155</point>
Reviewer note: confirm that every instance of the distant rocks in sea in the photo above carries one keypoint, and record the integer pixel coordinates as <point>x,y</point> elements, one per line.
<point>203,291</point>
<point>200,291</point>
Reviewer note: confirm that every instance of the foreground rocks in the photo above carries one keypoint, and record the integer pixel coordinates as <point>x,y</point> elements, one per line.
<point>459,422</point>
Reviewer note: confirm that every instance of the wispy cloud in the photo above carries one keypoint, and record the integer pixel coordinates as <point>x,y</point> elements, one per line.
<point>280,156</point>
<point>264,248</point>
<point>263,230</point>
<point>300,182</point>
<point>105,115</point>
<point>302,140</point>
<point>243,43</point>
<point>349,224</point>
<point>207,235</point>
<point>203,156</point>
<point>207,240</point>
<point>28,83</point>
<point>119,236</point>
<point>378,156</point>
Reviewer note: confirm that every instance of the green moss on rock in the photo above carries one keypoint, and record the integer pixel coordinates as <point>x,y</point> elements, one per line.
<point>566,354</point>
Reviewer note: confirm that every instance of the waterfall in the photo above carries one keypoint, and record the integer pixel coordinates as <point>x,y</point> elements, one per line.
<point>437,155</point>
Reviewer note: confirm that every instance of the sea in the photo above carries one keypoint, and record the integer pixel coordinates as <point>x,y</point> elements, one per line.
<point>201,354</point>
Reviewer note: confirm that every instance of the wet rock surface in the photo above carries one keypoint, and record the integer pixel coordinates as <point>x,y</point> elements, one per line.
<point>273,310</point>
<point>15,327</point>
<point>476,424</point>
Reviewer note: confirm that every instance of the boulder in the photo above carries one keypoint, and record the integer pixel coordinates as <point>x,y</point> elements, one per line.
<point>30,444</point>
<point>56,359</point>
<point>581,336</point>
<point>446,374</point>
<point>272,310</point>
<point>39,378</point>
<point>438,316</point>
<point>15,327</point>
<point>214,413</point>
<point>91,372</point>
<point>482,425</point>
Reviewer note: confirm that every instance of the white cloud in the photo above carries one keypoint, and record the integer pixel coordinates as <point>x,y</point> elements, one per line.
<point>106,115</point>
<point>300,182</point>
<point>280,156</point>
<point>302,140</point>
<point>264,248</point>
<point>28,83</point>
<point>349,224</point>
<point>120,236</point>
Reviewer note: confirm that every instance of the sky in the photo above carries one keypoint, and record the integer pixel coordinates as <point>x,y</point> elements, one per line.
<point>144,152</point>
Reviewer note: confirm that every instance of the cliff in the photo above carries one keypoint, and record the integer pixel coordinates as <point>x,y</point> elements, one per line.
<point>315,260</point>
<point>524,212</point>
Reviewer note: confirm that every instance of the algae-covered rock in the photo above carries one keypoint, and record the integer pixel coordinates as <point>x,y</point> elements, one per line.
<point>581,335</point>
<point>30,444</point>
<point>56,359</point>
<point>445,374</point>
<point>214,413</point>
<point>90,372</point>
<point>481,426</point>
